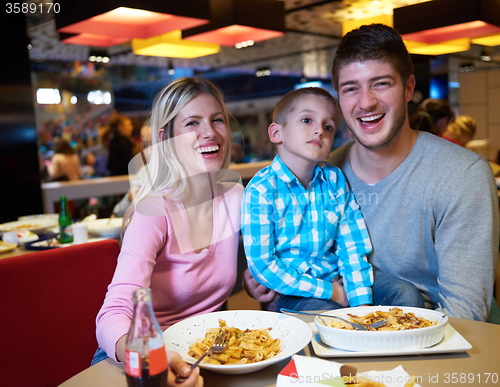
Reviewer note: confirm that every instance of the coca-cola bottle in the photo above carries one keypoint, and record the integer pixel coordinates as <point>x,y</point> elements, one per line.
<point>146,362</point>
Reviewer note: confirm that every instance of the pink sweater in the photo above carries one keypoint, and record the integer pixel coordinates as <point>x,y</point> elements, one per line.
<point>182,284</point>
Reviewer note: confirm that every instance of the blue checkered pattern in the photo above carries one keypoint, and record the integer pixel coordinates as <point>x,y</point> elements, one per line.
<point>297,240</point>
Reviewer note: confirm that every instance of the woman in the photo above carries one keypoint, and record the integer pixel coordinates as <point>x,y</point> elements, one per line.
<point>65,164</point>
<point>121,146</point>
<point>461,131</point>
<point>181,234</point>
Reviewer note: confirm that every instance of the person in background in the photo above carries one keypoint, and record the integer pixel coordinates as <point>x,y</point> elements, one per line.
<point>121,146</point>
<point>135,181</point>
<point>88,165</point>
<point>65,164</point>
<point>461,130</point>
<point>434,112</point>
<point>421,121</point>
<point>431,207</point>
<point>312,252</point>
<point>181,235</point>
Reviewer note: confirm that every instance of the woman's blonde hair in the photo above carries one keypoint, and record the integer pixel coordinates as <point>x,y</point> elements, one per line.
<point>163,169</point>
<point>464,125</point>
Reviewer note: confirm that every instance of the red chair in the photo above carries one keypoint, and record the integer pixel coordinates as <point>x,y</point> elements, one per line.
<point>49,302</point>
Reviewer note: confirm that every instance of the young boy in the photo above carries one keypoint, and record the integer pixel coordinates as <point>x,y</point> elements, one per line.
<point>304,235</point>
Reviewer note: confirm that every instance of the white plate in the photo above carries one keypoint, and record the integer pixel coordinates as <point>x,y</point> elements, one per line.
<point>294,335</point>
<point>106,228</point>
<point>39,216</point>
<point>351,340</point>
<point>38,226</point>
<point>5,247</point>
<point>452,342</point>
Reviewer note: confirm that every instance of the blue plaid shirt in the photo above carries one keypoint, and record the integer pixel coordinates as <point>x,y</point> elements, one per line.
<point>297,240</point>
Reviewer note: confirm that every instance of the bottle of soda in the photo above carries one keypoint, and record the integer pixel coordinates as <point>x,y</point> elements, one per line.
<point>65,221</point>
<point>146,362</point>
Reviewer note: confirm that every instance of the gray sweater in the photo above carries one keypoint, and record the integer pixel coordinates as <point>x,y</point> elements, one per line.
<point>434,222</point>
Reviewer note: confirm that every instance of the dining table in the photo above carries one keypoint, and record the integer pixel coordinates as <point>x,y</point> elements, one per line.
<point>477,366</point>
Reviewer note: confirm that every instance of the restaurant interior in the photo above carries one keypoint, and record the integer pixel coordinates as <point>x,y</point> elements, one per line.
<point>66,73</point>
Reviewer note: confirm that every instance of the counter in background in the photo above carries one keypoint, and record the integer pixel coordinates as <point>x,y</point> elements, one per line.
<point>115,185</point>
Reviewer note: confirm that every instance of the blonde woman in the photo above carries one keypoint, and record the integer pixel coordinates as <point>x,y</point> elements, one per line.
<point>461,131</point>
<point>181,231</point>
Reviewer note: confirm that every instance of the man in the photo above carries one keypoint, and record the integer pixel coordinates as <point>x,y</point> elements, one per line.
<point>430,206</point>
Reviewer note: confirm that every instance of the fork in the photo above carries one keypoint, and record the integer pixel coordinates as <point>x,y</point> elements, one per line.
<point>356,326</point>
<point>218,346</point>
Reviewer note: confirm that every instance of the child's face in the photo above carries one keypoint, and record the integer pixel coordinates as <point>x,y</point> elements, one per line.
<point>309,129</point>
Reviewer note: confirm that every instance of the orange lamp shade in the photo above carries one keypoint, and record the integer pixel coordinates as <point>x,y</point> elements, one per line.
<point>457,31</point>
<point>86,39</point>
<point>488,40</point>
<point>132,23</point>
<point>441,48</point>
<point>444,20</point>
<point>231,35</point>
<point>171,45</point>
<point>236,21</point>
<point>350,25</point>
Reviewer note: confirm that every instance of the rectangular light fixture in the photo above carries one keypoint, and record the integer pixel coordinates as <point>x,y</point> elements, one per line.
<point>131,18</point>
<point>444,20</point>
<point>441,48</point>
<point>350,25</point>
<point>236,21</point>
<point>86,39</point>
<point>173,46</point>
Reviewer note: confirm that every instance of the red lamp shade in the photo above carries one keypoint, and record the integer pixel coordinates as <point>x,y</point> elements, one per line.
<point>236,21</point>
<point>443,20</point>
<point>131,18</point>
<point>86,39</point>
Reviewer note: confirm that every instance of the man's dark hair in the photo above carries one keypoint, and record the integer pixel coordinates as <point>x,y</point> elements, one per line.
<point>372,42</point>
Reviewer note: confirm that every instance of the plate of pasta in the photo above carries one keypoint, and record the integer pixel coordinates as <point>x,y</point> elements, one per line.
<point>257,339</point>
<point>407,328</point>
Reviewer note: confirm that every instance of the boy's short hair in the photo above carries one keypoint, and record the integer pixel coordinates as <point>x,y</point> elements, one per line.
<point>286,104</point>
<point>373,42</point>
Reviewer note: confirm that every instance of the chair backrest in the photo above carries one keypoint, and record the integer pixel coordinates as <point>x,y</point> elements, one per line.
<point>49,301</point>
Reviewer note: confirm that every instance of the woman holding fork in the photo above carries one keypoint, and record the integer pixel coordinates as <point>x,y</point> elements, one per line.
<point>181,231</point>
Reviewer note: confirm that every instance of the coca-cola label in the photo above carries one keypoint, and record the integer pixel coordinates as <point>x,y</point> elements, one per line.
<point>133,365</point>
<point>157,360</point>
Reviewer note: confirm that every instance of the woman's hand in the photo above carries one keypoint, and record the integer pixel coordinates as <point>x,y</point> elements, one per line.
<point>179,368</point>
<point>256,290</point>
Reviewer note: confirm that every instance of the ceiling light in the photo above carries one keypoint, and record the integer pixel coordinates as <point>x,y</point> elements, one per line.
<point>485,55</point>
<point>263,72</point>
<point>236,21</point>
<point>138,19</point>
<point>171,45</point>
<point>448,47</point>
<point>350,25</point>
<point>95,40</point>
<point>444,20</point>
<point>98,56</point>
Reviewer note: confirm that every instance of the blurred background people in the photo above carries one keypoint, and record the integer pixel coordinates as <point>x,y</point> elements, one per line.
<point>433,116</point>
<point>88,170</point>
<point>461,130</point>
<point>65,164</point>
<point>121,146</point>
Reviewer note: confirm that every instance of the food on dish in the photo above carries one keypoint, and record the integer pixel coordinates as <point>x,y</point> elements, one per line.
<point>244,346</point>
<point>26,225</point>
<point>397,320</point>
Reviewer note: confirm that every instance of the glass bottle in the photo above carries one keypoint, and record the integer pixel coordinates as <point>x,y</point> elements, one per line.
<point>65,221</point>
<point>146,362</point>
